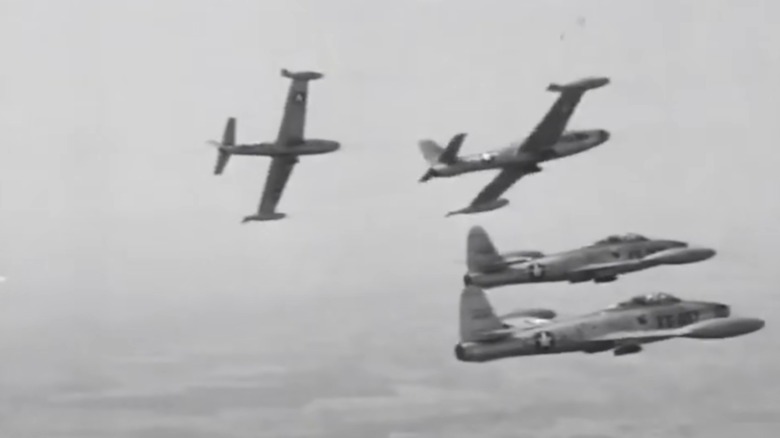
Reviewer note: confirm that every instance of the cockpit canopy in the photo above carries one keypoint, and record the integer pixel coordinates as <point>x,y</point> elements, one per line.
<point>618,238</point>
<point>652,299</point>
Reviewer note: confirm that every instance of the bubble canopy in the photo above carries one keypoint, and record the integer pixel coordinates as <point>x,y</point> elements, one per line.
<point>622,238</point>
<point>652,299</point>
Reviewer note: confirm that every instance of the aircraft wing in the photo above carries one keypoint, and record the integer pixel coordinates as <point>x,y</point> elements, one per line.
<point>278,173</point>
<point>643,336</point>
<point>525,322</point>
<point>547,132</point>
<point>500,184</point>
<point>291,130</point>
<point>609,267</point>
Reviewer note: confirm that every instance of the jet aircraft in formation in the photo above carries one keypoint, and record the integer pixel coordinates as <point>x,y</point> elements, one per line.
<point>548,141</point>
<point>290,143</point>
<point>484,336</point>
<point>599,262</point>
<point>622,328</point>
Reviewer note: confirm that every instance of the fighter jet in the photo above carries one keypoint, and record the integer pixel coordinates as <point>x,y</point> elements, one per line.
<point>600,262</point>
<point>622,328</point>
<point>289,145</point>
<point>547,141</point>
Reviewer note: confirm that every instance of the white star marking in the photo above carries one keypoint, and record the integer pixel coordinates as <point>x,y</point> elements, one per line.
<point>545,340</point>
<point>536,270</point>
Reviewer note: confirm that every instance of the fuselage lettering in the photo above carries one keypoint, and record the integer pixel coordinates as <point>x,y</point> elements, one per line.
<point>677,320</point>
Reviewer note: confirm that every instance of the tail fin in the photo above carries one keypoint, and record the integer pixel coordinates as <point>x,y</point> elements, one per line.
<point>481,254</point>
<point>228,139</point>
<point>431,151</point>
<point>476,315</point>
<point>435,154</point>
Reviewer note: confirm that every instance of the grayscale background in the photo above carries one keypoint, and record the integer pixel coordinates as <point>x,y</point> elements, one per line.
<point>136,305</point>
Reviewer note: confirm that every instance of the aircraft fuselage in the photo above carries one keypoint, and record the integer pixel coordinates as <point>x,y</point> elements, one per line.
<point>563,266</point>
<point>570,143</point>
<point>580,334</point>
<point>307,147</point>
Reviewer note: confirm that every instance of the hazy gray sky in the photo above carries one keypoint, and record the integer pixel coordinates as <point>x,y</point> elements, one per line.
<point>137,305</point>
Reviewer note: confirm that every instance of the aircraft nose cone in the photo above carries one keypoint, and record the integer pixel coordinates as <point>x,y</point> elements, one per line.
<point>756,324</point>
<point>605,135</point>
<point>702,253</point>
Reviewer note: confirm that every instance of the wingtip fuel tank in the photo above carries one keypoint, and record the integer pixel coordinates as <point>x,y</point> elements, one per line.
<point>679,256</point>
<point>480,208</point>
<point>584,84</point>
<point>263,217</point>
<point>301,75</point>
<point>725,327</point>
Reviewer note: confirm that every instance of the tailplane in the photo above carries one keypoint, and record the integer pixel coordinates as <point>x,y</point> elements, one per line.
<point>481,255</point>
<point>228,140</point>
<point>435,154</point>
<point>478,321</point>
<point>431,151</point>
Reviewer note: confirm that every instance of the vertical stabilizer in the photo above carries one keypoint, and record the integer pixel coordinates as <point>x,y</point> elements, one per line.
<point>435,154</point>
<point>481,254</point>
<point>476,315</point>
<point>431,151</point>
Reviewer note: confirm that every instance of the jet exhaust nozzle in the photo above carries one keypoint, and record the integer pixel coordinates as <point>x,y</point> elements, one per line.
<point>428,175</point>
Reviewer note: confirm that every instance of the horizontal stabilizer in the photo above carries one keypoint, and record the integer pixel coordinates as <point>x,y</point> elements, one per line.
<point>228,140</point>
<point>301,75</point>
<point>222,159</point>
<point>229,135</point>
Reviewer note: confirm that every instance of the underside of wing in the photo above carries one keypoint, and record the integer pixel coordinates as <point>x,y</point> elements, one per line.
<point>549,130</point>
<point>291,130</point>
<point>525,322</point>
<point>640,336</point>
<point>278,173</point>
<point>500,184</point>
<point>605,268</point>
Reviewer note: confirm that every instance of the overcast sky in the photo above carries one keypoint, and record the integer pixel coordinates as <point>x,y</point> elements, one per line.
<point>137,305</point>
